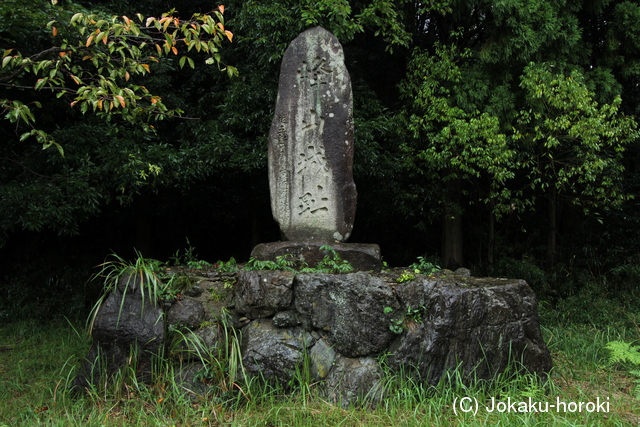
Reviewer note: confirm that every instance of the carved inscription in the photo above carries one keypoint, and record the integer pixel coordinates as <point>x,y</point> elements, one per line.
<point>281,147</point>
<point>313,78</point>
<point>313,203</point>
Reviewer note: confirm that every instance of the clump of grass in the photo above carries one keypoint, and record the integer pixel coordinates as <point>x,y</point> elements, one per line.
<point>142,275</point>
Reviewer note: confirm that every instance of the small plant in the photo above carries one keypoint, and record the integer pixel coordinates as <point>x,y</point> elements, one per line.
<point>229,283</point>
<point>230,266</point>
<point>422,266</point>
<point>406,276</point>
<point>399,324</point>
<point>282,262</point>
<point>624,352</point>
<point>332,262</point>
<point>396,325</point>
<point>415,314</point>
<point>216,296</point>
<point>177,284</point>
<point>198,265</point>
<point>189,258</point>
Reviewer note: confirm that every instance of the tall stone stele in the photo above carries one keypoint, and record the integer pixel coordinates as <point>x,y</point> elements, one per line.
<point>313,196</point>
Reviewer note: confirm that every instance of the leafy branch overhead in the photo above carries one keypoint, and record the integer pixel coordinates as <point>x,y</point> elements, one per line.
<point>94,60</point>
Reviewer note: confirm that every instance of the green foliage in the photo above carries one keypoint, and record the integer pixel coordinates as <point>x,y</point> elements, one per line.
<point>422,266</point>
<point>569,145</point>
<point>93,62</point>
<point>448,141</point>
<point>282,262</point>
<point>230,266</point>
<point>398,325</point>
<point>624,352</point>
<point>331,263</point>
<point>406,276</point>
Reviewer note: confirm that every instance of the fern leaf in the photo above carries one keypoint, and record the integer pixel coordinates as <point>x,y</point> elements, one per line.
<point>624,352</point>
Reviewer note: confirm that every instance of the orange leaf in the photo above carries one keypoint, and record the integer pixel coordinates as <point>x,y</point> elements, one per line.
<point>127,76</point>
<point>174,50</point>
<point>126,20</point>
<point>159,49</point>
<point>75,79</point>
<point>229,35</point>
<point>100,104</point>
<point>121,99</point>
<point>154,100</point>
<point>54,31</point>
<point>74,103</point>
<point>89,40</point>
<point>146,67</point>
<point>221,8</point>
<point>221,25</point>
<point>62,53</point>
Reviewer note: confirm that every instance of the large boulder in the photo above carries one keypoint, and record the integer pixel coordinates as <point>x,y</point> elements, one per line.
<point>262,293</point>
<point>349,309</point>
<point>275,354</point>
<point>478,325</point>
<point>127,320</point>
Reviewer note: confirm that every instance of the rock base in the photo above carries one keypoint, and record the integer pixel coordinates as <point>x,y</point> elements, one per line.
<point>334,329</point>
<point>362,256</point>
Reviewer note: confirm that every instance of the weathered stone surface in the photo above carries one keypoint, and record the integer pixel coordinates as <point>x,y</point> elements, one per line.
<point>262,293</point>
<point>313,196</point>
<point>187,312</point>
<point>322,357</point>
<point>354,381</point>
<point>122,323</point>
<point>273,353</point>
<point>362,256</point>
<point>482,324</point>
<point>348,308</point>
<point>286,319</point>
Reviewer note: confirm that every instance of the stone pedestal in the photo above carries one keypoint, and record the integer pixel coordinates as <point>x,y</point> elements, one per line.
<point>362,256</point>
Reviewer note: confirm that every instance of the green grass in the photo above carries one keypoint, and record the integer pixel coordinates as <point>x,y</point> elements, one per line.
<point>38,360</point>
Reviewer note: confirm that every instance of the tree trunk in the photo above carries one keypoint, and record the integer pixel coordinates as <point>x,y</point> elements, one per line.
<point>452,229</point>
<point>492,236</point>
<point>552,231</point>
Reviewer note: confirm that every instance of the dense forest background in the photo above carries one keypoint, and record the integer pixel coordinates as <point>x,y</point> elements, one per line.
<point>499,135</point>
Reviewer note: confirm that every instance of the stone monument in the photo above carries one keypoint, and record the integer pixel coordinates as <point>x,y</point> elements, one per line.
<point>313,196</point>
